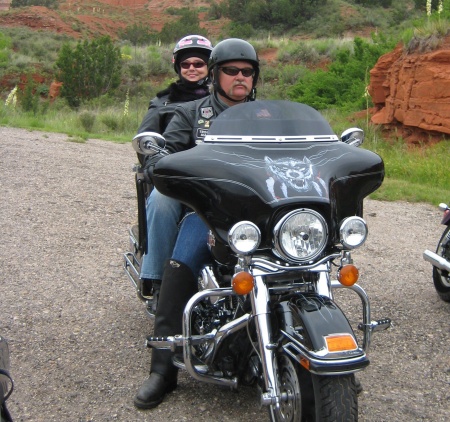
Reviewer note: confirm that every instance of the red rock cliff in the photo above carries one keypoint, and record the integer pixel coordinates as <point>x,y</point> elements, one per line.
<point>413,89</point>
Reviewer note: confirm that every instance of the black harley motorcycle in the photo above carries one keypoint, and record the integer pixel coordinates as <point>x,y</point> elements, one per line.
<point>441,259</point>
<point>283,198</point>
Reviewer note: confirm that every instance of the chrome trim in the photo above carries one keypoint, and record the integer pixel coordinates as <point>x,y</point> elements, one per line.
<point>436,260</point>
<point>326,360</point>
<point>260,299</point>
<point>365,326</point>
<point>252,139</point>
<point>272,267</point>
<point>188,339</point>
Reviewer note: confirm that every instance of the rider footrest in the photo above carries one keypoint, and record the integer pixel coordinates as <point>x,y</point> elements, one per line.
<point>170,342</point>
<point>378,325</point>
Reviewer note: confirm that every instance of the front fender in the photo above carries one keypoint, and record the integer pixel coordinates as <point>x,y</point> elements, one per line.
<point>305,320</point>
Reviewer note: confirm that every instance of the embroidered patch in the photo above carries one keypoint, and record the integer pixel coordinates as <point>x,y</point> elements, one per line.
<point>207,112</point>
<point>201,133</point>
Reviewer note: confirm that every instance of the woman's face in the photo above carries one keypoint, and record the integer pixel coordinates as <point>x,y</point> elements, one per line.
<point>193,69</point>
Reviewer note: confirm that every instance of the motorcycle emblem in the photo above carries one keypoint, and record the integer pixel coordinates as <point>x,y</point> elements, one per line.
<point>206,112</point>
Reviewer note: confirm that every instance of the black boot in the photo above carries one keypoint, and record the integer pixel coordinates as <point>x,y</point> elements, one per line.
<point>156,292</point>
<point>177,287</point>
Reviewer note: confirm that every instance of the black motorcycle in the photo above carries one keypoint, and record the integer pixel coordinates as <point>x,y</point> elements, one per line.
<point>441,259</point>
<point>283,198</point>
<point>6,382</point>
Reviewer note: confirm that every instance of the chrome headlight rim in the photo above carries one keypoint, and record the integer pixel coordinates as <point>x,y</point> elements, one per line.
<point>244,238</point>
<point>345,232</point>
<point>280,251</point>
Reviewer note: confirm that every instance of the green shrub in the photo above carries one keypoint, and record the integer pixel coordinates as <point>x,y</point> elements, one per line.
<point>244,31</point>
<point>110,121</point>
<point>187,24</point>
<point>29,100</point>
<point>87,120</point>
<point>343,85</point>
<point>89,70</point>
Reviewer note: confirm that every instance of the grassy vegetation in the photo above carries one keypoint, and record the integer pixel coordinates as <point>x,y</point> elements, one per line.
<point>413,173</point>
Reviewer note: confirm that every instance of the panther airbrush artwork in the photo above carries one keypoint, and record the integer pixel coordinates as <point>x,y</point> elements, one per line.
<point>287,177</point>
<point>290,173</point>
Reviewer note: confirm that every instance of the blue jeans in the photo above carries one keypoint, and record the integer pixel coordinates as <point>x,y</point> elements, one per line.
<point>163,216</point>
<point>191,247</point>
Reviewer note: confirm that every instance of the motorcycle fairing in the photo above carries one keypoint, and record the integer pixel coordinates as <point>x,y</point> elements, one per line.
<point>226,181</point>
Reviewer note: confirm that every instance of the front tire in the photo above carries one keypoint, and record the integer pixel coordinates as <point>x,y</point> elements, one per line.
<point>335,398</point>
<point>441,278</point>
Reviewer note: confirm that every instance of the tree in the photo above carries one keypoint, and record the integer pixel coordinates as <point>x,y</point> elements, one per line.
<point>89,70</point>
<point>51,4</point>
<point>267,13</point>
<point>187,24</point>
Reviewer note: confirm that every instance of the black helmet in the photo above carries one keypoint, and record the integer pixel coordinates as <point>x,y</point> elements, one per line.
<point>233,49</point>
<point>194,45</point>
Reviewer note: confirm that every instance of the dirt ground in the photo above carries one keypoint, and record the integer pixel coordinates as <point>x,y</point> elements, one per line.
<point>76,329</point>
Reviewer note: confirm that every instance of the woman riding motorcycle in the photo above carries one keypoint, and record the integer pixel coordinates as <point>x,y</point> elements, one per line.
<point>190,58</point>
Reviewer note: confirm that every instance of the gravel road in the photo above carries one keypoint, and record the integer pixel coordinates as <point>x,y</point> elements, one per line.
<point>76,329</point>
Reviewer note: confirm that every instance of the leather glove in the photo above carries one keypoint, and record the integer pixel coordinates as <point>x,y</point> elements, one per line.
<point>149,165</point>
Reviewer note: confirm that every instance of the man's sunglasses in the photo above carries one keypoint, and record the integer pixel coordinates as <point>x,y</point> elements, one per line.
<point>187,65</point>
<point>234,71</point>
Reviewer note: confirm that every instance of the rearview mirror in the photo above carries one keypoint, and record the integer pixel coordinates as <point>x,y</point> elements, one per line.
<point>149,143</point>
<point>353,136</point>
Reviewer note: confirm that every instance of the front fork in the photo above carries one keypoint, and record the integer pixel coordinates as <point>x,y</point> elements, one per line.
<point>260,299</point>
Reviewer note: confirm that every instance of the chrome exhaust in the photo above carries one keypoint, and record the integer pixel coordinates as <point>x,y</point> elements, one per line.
<point>436,260</point>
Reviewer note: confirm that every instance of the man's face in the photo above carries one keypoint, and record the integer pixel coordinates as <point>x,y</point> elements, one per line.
<point>236,84</point>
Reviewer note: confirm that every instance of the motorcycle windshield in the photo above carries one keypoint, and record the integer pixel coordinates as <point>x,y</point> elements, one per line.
<point>264,158</point>
<point>270,121</point>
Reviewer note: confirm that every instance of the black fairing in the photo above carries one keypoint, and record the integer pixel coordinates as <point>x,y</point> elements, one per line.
<point>264,158</point>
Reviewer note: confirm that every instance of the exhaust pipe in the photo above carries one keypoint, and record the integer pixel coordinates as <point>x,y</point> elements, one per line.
<point>436,260</point>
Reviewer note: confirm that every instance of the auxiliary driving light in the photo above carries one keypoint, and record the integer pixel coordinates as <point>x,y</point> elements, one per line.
<point>243,283</point>
<point>348,275</point>
<point>353,232</point>
<point>244,237</point>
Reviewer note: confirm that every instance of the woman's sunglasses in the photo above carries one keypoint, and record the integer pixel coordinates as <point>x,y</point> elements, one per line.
<point>187,65</point>
<point>234,71</point>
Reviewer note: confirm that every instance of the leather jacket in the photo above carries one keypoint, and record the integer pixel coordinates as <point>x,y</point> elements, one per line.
<point>162,107</point>
<point>191,122</point>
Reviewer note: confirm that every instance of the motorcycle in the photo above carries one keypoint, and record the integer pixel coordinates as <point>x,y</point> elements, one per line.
<point>282,196</point>
<point>441,259</point>
<point>6,382</point>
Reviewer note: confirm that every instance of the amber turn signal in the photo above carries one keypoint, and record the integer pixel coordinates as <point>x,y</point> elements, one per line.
<point>340,342</point>
<point>348,275</point>
<point>243,283</point>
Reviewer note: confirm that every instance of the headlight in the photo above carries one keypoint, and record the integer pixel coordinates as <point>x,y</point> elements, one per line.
<point>353,232</point>
<point>244,237</point>
<point>301,235</point>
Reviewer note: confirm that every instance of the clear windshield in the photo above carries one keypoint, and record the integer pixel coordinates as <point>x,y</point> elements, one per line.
<point>270,118</point>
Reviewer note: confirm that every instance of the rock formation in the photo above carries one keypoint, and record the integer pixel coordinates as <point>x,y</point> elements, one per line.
<point>413,88</point>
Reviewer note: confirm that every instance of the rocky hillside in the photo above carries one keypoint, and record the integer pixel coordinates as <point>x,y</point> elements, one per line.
<point>411,90</point>
<point>104,17</point>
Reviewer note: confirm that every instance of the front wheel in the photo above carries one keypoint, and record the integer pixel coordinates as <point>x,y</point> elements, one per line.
<point>441,278</point>
<point>290,407</point>
<point>308,397</point>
